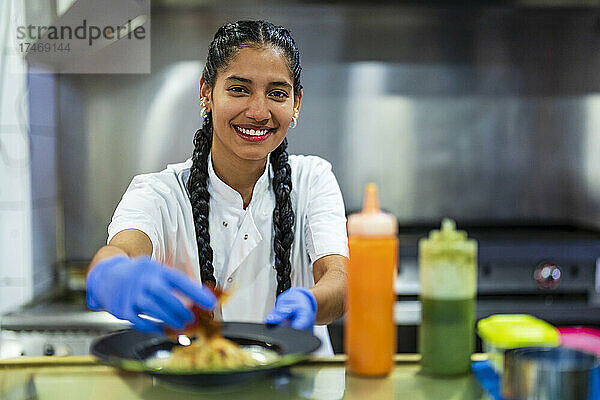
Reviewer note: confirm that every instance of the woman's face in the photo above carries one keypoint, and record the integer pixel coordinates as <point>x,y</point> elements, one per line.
<point>252,103</point>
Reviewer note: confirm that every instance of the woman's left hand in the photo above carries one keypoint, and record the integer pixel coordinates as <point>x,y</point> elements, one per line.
<point>296,305</point>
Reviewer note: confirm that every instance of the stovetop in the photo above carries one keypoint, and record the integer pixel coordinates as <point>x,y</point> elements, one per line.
<point>508,257</point>
<point>57,323</point>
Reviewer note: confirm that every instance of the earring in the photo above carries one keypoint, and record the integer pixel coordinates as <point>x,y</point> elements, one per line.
<point>203,113</point>
<point>294,120</point>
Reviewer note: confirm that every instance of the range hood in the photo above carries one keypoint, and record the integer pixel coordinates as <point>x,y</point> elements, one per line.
<point>374,3</point>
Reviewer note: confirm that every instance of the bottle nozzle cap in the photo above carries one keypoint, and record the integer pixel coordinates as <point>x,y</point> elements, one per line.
<point>371,199</point>
<point>448,225</point>
<point>372,221</point>
<point>448,232</point>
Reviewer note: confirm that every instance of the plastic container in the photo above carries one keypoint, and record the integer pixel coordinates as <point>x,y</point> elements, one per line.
<point>501,332</point>
<point>448,275</point>
<point>580,338</point>
<point>370,331</point>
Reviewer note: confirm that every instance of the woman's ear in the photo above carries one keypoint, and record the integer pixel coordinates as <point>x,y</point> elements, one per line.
<point>204,93</point>
<point>298,101</point>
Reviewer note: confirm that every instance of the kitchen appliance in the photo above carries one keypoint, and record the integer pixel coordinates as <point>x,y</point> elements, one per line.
<point>549,271</point>
<point>58,323</point>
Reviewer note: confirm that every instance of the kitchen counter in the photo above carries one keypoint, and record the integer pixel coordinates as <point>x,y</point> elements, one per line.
<point>82,377</point>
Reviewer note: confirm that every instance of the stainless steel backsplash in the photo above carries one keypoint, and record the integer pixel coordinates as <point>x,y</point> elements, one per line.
<point>488,114</point>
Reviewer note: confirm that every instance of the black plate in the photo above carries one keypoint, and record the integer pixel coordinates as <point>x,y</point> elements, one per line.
<point>128,349</point>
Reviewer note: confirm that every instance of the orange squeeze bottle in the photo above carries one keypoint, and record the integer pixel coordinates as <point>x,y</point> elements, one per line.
<point>369,327</point>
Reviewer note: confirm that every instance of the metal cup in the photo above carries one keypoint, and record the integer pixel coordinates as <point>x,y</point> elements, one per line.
<point>549,373</point>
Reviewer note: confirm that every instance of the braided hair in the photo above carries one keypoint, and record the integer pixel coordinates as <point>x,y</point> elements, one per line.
<point>228,40</point>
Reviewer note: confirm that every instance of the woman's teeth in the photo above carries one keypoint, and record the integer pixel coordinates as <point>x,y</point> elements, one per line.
<point>252,132</point>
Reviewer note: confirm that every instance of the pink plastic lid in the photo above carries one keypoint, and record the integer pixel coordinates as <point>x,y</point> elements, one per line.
<point>580,338</point>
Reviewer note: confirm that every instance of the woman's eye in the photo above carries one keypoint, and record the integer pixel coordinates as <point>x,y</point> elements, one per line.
<point>279,94</point>
<point>238,89</point>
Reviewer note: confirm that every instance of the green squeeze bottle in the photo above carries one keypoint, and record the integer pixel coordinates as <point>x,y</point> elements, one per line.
<point>448,275</point>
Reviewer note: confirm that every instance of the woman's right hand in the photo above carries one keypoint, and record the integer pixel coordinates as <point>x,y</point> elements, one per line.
<point>127,287</point>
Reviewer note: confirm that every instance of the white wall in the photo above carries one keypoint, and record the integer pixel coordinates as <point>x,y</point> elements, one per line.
<point>28,194</point>
<point>16,277</point>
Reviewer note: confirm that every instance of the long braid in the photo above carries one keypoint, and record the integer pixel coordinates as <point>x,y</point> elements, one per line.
<point>283,216</point>
<point>228,40</point>
<point>200,199</point>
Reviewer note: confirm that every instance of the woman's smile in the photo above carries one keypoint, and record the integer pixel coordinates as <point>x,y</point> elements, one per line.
<point>253,134</point>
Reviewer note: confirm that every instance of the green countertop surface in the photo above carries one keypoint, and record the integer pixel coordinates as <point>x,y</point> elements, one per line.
<point>64,378</point>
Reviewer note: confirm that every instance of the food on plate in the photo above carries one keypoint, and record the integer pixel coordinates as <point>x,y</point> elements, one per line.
<point>201,346</point>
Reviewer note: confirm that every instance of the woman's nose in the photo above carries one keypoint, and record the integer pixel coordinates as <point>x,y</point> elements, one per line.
<point>258,109</point>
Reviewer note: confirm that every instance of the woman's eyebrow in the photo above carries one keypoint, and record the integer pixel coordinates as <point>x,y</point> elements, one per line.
<point>281,83</point>
<point>245,80</point>
<point>237,78</point>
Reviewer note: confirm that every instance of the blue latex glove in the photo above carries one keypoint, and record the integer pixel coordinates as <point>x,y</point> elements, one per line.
<point>297,305</point>
<point>127,287</point>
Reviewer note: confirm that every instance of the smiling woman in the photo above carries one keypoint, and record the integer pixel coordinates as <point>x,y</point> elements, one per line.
<point>252,112</point>
<point>240,213</point>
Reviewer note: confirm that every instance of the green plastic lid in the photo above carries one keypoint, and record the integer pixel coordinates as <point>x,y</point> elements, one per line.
<point>447,240</point>
<point>509,331</point>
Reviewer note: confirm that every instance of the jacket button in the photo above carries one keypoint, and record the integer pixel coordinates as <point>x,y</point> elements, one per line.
<point>229,280</point>
<point>224,223</point>
<point>246,236</point>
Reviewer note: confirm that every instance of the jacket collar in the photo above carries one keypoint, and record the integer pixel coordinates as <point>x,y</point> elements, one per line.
<point>219,189</point>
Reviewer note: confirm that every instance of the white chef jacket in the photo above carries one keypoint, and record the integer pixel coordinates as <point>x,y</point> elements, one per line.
<point>243,256</point>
